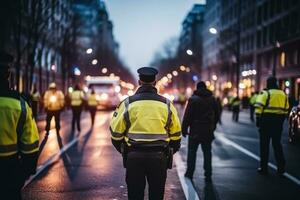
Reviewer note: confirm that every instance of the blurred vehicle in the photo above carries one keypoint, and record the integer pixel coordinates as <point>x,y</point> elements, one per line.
<point>107,90</point>
<point>294,124</point>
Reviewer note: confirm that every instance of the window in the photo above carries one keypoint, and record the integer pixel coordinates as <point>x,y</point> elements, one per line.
<point>282,59</point>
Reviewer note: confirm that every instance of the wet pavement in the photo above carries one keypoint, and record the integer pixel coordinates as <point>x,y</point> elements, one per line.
<point>85,165</point>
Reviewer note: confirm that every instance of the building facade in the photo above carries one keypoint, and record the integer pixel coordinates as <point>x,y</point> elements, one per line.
<point>267,35</point>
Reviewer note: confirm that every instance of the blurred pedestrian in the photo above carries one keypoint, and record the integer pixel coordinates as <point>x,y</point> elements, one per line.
<point>200,118</point>
<point>92,105</point>
<point>252,107</point>
<point>35,101</point>
<point>19,138</point>
<point>236,104</point>
<point>146,129</point>
<point>54,103</point>
<point>77,98</point>
<point>271,109</point>
<point>220,108</point>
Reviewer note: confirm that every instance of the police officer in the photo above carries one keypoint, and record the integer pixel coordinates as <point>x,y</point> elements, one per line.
<point>54,103</point>
<point>236,103</point>
<point>35,99</point>
<point>271,109</point>
<point>92,105</point>
<point>147,125</point>
<point>19,139</point>
<point>77,97</point>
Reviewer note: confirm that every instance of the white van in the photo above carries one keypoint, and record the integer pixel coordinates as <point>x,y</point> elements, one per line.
<point>107,90</point>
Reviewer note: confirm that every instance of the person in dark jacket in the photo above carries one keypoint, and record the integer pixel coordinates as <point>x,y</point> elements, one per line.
<point>201,117</point>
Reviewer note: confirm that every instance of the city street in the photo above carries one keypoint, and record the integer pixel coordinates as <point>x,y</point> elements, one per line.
<point>90,168</point>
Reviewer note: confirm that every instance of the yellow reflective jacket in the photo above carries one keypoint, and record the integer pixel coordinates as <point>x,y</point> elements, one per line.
<point>76,98</point>
<point>253,99</point>
<point>92,100</point>
<point>273,101</point>
<point>54,100</point>
<point>146,117</point>
<point>18,129</point>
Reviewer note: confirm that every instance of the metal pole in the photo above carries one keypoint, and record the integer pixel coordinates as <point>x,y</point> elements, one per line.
<point>276,45</point>
<point>238,34</point>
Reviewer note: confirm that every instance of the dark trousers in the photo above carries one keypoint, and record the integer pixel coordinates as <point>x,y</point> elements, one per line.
<point>271,129</point>
<point>12,179</point>
<point>192,154</point>
<point>93,110</point>
<point>142,167</point>
<point>235,113</point>
<point>56,115</point>
<point>34,106</point>
<point>252,109</point>
<point>76,110</point>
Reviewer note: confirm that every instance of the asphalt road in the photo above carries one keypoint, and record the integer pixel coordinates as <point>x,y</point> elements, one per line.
<point>86,166</point>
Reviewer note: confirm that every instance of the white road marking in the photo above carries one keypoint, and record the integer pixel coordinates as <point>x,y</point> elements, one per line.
<point>56,157</point>
<point>252,155</point>
<point>186,184</point>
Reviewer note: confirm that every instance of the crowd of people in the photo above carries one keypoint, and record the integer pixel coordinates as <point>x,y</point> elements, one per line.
<point>145,129</point>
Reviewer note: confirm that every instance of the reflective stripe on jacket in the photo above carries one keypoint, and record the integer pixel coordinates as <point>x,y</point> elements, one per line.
<point>18,129</point>
<point>273,101</point>
<point>144,118</point>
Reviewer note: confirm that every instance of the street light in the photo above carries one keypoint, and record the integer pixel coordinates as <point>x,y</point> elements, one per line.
<point>94,62</point>
<point>104,70</point>
<point>89,51</point>
<point>189,52</point>
<point>213,30</point>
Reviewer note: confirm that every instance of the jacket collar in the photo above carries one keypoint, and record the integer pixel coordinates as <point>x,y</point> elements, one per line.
<point>146,88</point>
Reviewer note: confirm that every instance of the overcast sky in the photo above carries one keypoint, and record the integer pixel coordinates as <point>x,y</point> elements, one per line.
<point>142,26</point>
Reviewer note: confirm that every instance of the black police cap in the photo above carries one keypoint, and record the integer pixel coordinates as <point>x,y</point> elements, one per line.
<point>147,74</point>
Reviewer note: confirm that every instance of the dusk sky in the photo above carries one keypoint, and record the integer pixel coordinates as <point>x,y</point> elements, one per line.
<point>142,26</point>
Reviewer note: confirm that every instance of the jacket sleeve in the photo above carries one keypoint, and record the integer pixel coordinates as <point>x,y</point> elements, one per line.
<point>118,126</point>
<point>187,118</point>
<point>61,99</point>
<point>29,144</point>
<point>175,129</point>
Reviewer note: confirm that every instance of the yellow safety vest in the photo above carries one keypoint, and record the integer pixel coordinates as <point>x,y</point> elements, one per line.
<point>76,98</point>
<point>18,129</point>
<point>253,99</point>
<point>36,96</point>
<point>273,101</point>
<point>92,100</point>
<point>54,100</point>
<point>145,121</point>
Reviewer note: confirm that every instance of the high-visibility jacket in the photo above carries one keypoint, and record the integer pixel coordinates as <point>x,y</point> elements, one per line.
<point>18,130</point>
<point>146,118</point>
<point>273,101</point>
<point>92,100</point>
<point>253,99</point>
<point>76,97</point>
<point>54,100</point>
<point>236,103</point>
<point>35,96</point>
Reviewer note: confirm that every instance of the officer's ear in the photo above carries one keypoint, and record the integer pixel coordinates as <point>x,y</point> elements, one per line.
<point>154,83</point>
<point>140,82</point>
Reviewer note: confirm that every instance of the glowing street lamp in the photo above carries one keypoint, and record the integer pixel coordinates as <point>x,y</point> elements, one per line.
<point>175,73</point>
<point>182,68</point>
<point>189,52</point>
<point>94,62</point>
<point>213,30</point>
<point>89,51</point>
<point>104,70</point>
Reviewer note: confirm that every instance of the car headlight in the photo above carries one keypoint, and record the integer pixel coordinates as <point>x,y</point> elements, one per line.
<point>104,96</point>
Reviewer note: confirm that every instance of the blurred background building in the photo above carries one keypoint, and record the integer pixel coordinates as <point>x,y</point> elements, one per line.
<point>49,42</point>
<point>237,44</point>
